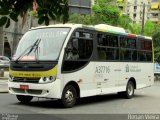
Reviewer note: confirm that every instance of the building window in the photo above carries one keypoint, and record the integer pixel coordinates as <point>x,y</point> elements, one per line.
<point>134,21</point>
<point>120,7</point>
<point>154,15</point>
<point>135,7</point>
<point>134,15</point>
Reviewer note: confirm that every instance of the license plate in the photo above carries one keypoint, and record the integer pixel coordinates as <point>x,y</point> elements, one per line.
<point>24,87</point>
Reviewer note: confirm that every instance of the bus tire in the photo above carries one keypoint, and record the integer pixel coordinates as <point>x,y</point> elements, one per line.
<point>129,93</point>
<point>24,99</point>
<point>69,96</point>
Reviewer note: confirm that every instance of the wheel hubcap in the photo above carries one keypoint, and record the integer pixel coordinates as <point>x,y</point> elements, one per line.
<point>130,89</point>
<point>69,96</point>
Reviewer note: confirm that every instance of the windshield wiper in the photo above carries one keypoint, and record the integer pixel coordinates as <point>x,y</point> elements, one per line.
<point>32,47</point>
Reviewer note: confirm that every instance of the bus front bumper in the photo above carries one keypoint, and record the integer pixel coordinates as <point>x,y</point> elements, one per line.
<point>48,90</point>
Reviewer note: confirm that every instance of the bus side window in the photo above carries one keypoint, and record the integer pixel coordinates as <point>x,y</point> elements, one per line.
<point>142,56</point>
<point>125,55</point>
<point>101,53</point>
<point>149,56</point>
<point>72,50</point>
<point>78,50</point>
<point>134,55</point>
<point>145,50</point>
<point>107,47</point>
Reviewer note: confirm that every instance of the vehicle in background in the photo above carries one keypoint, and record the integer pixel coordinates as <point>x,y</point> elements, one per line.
<point>4,61</point>
<point>156,70</point>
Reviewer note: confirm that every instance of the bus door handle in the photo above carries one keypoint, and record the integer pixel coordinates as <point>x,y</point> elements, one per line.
<point>105,79</point>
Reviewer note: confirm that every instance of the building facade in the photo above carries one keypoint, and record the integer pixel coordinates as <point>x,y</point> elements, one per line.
<point>134,9</point>
<point>80,6</point>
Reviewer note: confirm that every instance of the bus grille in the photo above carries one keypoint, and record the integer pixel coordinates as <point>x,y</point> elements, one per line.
<point>36,92</point>
<point>26,80</point>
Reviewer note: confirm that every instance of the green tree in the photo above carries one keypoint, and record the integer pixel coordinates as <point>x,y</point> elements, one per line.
<point>156,43</point>
<point>47,9</point>
<point>149,27</point>
<point>85,19</point>
<point>125,21</point>
<point>106,11</point>
<point>136,28</point>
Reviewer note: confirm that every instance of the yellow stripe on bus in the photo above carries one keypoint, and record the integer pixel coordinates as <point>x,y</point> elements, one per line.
<point>34,74</point>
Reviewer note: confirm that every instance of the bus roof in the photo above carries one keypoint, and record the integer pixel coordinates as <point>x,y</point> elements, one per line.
<point>99,27</point>
<point>59,25</point>
<point>144,37</point>
<point>109,28</point>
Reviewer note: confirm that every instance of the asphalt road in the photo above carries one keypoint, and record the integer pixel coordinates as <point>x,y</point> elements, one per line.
<point>146,100</point>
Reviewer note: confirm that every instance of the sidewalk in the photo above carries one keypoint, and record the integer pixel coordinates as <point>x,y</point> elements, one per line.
<point>4,82</point>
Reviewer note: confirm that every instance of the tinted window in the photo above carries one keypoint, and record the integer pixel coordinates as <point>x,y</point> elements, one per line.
<point>144,56</point>
<point>78,50</point>
<point>108,53</point>
<point>127,54</point>
<point>107,47</point>
<point>80,46</point>
<point>145,50</point>
<point>107,40</point>
<point>146,45</point>
<point>126,42</point>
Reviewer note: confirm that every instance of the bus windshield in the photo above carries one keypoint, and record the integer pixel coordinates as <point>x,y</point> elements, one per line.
<point>49,47</point>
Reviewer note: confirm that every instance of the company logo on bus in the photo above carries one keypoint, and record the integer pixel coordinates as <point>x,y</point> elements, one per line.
<point>127,68</point>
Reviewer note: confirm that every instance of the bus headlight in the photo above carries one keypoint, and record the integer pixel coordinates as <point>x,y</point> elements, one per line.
<point>47,79</point>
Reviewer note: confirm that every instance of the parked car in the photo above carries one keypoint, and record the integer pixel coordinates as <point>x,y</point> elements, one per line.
<point>4,61</point>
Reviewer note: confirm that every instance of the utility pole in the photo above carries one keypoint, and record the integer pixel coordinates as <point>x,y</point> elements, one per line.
<point>142,29</point>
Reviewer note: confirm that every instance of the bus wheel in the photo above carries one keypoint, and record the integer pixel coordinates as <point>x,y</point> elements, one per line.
<point>24,99</point>
<point>129,90</point>
<point>69,96</point>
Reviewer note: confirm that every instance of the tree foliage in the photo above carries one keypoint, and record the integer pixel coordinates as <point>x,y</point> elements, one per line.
<point>149,27</point>
<point>106,11</point>
<point>85,19</point>
<point>156,43</point>
<point>47,9</point>
<point>103,12</point>
<point>136,28</point>
<point>125,21</point>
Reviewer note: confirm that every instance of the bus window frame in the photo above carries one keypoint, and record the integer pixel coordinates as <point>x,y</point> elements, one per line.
<point>91,58</point>
<point>143,50</point>
<point>100,46</point>
<point>127,48</point>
